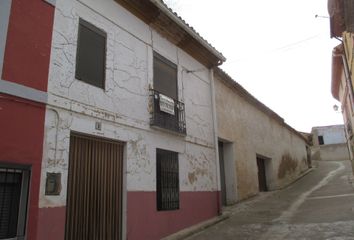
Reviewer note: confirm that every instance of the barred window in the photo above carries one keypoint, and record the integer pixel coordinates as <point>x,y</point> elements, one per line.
<point>14,184</point>
<point>167,182</point>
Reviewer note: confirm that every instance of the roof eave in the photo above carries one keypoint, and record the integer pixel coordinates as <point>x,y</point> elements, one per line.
<point>182,24</point>
<point>158,16</point>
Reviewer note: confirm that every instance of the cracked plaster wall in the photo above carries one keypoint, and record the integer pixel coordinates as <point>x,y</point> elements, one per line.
<point>122,107</point>
<point>252,132</point>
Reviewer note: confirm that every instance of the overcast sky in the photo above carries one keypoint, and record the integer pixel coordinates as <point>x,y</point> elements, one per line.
<point>276,49</point>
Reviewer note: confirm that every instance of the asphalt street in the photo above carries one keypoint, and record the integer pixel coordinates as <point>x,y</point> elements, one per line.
<point>318,206</point>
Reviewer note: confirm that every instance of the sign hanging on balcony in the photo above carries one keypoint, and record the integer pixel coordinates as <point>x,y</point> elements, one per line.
<point>167,104</point>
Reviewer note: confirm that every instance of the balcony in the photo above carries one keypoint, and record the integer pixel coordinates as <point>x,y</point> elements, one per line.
<point>167,113</point>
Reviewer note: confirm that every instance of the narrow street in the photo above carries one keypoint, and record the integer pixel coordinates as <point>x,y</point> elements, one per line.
<point>318,206</point>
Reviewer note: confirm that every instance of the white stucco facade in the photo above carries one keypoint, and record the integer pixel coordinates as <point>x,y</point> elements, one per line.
<point>334,143</point>
<point>331,134</point>
<point>123,106</point>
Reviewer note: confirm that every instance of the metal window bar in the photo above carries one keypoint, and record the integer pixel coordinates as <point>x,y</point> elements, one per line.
<point>14,183</point>
<point>167,188</point>
<point>176,122</point>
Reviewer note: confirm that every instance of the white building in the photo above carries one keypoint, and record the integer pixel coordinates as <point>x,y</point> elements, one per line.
<point>329,143</point>
<point>130,146</point>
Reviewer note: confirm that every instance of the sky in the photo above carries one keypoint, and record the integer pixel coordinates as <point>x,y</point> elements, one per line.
<point>276,49</point>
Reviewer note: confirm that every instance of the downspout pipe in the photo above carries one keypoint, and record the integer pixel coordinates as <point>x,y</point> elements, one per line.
<point>215,131</point>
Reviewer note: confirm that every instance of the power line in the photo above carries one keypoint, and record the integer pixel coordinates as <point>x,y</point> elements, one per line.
<point>283,48</point>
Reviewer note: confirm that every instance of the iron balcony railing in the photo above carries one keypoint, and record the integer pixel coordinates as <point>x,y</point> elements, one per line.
<point>170,117</point>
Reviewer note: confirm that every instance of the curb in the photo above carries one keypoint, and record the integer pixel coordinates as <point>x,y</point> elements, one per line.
<point>303,174</point>
<point>197,228</point>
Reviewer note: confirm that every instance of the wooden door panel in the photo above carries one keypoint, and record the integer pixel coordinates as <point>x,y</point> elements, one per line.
<point>94,200</point>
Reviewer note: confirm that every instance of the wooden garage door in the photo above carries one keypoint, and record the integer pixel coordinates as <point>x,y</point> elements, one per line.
<point>94,200</point>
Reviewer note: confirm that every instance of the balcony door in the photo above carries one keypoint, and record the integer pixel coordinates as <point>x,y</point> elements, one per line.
<point>165,76</point>
<point>168,112</point>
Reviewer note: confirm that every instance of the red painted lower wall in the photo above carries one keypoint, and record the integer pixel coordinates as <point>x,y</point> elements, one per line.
<point>21,142</point>
<point>145,222</point>
<point>51,223</point>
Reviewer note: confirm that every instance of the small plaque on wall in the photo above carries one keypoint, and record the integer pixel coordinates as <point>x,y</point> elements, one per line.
<point>53,184</point>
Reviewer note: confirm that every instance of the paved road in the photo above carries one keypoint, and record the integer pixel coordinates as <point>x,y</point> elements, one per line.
<point>319,206</point>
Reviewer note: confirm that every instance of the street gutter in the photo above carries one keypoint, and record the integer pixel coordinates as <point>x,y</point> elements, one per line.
<point>197,228</point>
<point>187,232</point>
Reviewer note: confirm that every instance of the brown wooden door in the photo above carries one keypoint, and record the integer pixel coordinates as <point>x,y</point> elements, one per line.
<point>222,173</point>
<point>262,179</point>
<point>94,198</point>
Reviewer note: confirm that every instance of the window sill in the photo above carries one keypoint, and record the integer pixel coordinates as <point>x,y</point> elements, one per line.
<point>180,134</point>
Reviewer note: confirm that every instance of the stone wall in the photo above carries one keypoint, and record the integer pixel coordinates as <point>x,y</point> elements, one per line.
<point>255,131</point>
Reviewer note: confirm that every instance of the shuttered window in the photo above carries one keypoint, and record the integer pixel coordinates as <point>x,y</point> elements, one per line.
<point>14,184</point>
<point>167,188</point>
<point>165,76</point>
<point>91,54</point>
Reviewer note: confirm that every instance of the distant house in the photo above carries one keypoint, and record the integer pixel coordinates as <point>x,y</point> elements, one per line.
<point>342,27</point>
<point>258,151</point>
<point>329,143</point>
